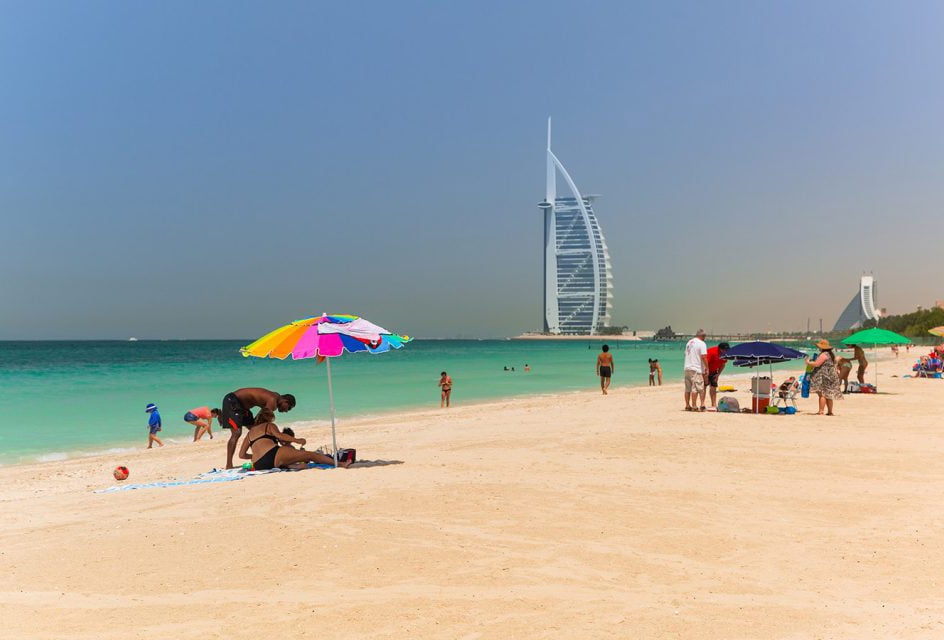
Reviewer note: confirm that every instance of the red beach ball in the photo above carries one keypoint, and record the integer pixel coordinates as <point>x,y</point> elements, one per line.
<point>120,473</point>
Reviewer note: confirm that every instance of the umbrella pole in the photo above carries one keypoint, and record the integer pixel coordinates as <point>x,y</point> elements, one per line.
<point>334,437</point>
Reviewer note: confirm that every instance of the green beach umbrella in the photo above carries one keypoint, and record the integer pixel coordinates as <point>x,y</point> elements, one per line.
<point>875,337</point>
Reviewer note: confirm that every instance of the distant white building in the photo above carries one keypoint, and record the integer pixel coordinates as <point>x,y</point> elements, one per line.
<point>862,307</point>
<point>578,277</point>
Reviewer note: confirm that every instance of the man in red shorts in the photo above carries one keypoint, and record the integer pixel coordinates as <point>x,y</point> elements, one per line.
<point>236,412</point>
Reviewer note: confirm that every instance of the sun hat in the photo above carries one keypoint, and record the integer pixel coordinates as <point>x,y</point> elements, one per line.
<point>151,407</point>
<point>824,345</point>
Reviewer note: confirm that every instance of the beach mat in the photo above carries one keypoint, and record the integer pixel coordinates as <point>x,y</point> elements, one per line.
<point>230,475</point>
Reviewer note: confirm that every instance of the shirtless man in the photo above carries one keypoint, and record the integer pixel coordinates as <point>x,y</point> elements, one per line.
<point>236,412</point>
<point>859,355</point>
<point>605,368</point>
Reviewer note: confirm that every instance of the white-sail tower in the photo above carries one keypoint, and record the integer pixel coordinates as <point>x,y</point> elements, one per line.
<point>578,278</point>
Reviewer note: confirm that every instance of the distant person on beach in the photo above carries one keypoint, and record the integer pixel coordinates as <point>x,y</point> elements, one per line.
<point>445,389</point>
<point>236,412</point>
<point>154,425</point>
<point>824,381</point>
<point>859,355</point>
<point>715,366</point>
<point>266,440</point>
<point>655,369</point>
<point>845,368</point>
<point>605,367</point>
<point>202,420</point>
<point>696,372</point>
<point>527,368</point>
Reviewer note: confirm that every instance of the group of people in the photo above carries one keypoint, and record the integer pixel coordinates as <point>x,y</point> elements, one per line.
<point>265,444</point>
<point>703,367</point>
<point>930,365</point>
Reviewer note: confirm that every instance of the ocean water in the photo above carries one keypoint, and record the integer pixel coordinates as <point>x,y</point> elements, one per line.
<point>63,399</point>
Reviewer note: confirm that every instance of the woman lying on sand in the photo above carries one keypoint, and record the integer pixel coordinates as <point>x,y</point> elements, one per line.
<point>266,440</point>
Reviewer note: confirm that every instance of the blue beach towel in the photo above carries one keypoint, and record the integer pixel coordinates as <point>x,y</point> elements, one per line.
<point>209,477</point>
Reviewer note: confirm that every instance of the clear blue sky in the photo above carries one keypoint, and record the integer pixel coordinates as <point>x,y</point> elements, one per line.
<point>215,169</point>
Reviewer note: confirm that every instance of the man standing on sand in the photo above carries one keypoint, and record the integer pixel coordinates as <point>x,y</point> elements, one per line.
<point>236,412</point>
<point>696,372</point>
<point>715,366</point>
<point>605,368</point>
<point>859,355</point>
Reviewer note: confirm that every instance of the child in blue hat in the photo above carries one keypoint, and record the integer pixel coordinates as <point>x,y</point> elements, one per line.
<point>154,425</point>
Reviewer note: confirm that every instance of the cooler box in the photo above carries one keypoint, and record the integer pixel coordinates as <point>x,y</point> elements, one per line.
<point>759,404</point>
<point>760,386</point>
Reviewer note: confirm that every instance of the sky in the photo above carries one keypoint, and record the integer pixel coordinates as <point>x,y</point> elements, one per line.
<point>217,169</point>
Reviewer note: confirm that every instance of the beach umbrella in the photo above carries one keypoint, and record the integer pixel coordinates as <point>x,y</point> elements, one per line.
<point>875,337</point>
<point>937,331</point>
<point>324,337</point>
<point>754,354</point>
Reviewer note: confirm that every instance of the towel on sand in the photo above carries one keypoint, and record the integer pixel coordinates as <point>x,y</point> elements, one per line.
<point>216,475</point>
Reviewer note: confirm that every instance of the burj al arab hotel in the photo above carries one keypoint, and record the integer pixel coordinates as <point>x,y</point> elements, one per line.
<point>578,279</point>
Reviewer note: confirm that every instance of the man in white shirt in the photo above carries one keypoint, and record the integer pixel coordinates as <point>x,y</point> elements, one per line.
<point>696,372</point>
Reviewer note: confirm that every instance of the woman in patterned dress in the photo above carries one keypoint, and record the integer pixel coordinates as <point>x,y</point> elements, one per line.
<point>824,380</point>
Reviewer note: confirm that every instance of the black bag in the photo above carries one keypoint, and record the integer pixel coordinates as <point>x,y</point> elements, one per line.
<point>347,455</point>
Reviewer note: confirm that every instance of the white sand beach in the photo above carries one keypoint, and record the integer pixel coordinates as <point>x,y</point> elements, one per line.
<point>574,515</point>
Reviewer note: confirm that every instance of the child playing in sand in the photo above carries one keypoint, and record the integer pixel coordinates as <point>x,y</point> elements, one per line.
<point>154,425</point>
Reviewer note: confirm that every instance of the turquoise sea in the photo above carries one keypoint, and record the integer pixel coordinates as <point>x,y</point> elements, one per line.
<point>68,398</point>
<point>62,399</point>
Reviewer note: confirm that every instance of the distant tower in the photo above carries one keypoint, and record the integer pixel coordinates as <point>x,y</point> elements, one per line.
<point>578,278</point>
<point>861,308</point>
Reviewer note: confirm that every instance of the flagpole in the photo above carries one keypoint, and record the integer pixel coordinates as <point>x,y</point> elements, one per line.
<point>334,438</point>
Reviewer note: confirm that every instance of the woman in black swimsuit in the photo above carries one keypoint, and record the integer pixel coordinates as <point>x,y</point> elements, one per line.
<point>266,438</point>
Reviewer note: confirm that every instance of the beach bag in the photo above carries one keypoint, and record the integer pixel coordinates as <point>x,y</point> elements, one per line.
<point>867,388</point>
<point>727,404</point>
<point>347,455</point>
<point>853,387</point>
<point>805,386</point>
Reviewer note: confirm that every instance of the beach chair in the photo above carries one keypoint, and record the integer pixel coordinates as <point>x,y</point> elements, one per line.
<point>787,393</point>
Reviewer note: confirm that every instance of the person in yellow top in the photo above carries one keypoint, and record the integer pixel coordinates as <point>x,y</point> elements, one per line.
<point>605,367</point>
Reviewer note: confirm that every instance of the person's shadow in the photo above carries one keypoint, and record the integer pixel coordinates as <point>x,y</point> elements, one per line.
<point>363,464</point>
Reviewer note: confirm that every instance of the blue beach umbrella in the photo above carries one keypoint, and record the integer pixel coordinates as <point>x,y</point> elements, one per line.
<point>754,354</point>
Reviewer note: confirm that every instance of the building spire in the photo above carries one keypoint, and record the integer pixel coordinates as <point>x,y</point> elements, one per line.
<point>551,194</point>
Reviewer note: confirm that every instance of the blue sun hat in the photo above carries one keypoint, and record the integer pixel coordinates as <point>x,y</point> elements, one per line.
<point>151,407</point>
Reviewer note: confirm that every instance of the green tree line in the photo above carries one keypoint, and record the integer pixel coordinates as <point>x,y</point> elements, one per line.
<point>914,324</point>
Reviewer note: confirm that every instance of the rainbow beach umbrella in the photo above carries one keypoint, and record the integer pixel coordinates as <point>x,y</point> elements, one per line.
<point>937,331</point>
<point>324,337</point>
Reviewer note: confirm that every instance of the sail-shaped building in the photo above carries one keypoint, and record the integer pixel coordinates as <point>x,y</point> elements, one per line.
<point>862,307</point>
<point>578,279</point>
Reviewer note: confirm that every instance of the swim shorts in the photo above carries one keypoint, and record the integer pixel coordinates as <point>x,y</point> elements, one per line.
<point>605,372</point>
<point>713,378</point>
<point>189,417</point>
<point>233,415</point>
<point>154,428</point>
